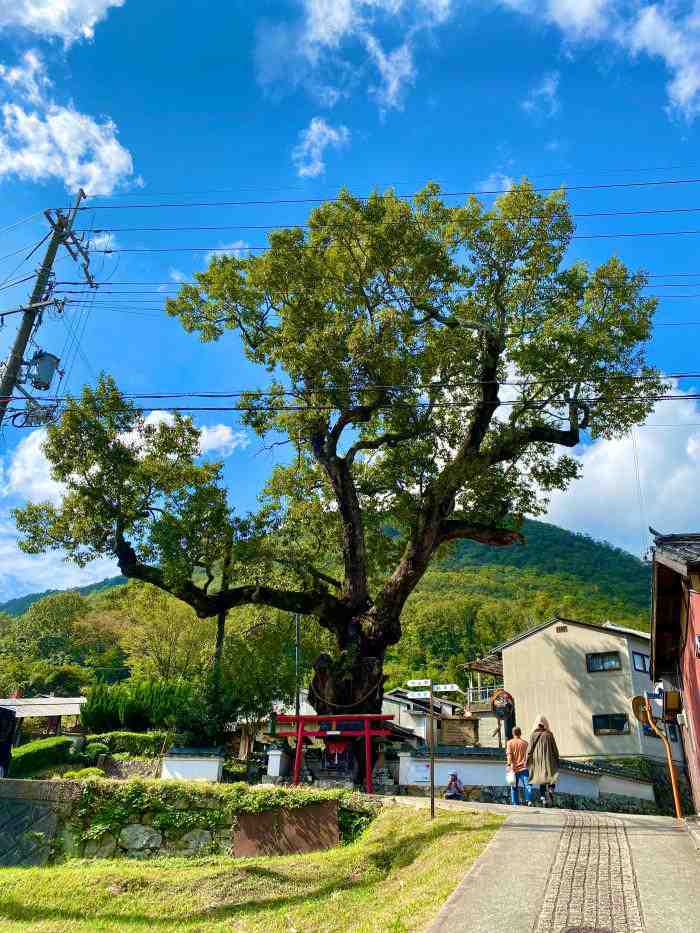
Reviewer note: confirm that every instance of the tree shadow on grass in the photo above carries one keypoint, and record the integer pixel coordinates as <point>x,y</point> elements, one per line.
<point>390,852</point>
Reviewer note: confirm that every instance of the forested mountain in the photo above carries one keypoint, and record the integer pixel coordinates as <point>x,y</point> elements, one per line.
<point>15,607</point>
<point>473,599</point>
<point>553,551</point>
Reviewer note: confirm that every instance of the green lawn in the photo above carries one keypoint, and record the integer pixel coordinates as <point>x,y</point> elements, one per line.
<point>394,878</point>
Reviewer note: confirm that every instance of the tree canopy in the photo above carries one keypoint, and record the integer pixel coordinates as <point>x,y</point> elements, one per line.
<point>430,367</point>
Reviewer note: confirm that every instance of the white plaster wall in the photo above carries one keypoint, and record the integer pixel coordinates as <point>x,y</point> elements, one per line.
<point>611,784</point>
<point>192,769</point>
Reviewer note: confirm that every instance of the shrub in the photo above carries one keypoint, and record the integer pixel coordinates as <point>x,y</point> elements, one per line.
<point>93,750</point>
<point>83,774</point>
<point>136,705</point>
<point>39,755</point>
<point>140,744</point>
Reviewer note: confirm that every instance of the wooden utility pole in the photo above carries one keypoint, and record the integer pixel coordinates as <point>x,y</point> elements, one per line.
<point>62,234</point>
<point>432,755</point>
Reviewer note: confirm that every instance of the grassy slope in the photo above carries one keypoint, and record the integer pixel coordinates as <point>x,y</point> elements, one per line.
<point>394,878</point>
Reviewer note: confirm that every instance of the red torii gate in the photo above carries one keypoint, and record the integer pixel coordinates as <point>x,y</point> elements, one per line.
<point>369,731</point>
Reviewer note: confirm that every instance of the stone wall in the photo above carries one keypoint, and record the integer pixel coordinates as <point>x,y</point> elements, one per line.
<point>606,803</point>
<point>141,819</point>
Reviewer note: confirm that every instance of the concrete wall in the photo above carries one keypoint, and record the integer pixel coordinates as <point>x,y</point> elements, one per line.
<point>547,675</point>
<point>485,772</point>
<point>612,784</point>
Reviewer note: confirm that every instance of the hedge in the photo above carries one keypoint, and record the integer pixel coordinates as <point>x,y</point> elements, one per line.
<point>37,756</point>
<point>144,744</point>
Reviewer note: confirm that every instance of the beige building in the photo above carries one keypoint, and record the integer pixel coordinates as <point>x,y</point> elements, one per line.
<point>581,677</point>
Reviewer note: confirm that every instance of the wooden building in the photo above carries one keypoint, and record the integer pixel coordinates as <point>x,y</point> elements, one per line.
<point>675,635</point>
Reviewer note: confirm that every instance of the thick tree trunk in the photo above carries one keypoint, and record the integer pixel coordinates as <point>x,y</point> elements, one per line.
<point>352,681</point>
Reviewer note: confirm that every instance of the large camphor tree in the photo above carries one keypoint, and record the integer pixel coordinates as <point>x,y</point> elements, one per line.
<point>429,367</point>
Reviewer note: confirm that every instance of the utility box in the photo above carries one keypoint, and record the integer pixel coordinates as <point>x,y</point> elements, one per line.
<point>42,370</point>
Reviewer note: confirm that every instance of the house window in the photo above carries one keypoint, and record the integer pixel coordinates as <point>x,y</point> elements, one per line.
<point>642,662</point>
<point>611,724</point>
<point>605,661</point>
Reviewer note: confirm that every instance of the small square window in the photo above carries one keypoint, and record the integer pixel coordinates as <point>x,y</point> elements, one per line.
<point>611,724</point>
<point>642,662</point>
<point>604,661</point>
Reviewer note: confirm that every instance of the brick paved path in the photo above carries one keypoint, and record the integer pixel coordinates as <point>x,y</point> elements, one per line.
<point>591,884</point>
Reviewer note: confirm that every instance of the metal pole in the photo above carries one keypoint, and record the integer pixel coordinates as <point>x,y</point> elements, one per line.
<point>432,757</point>
<point>669,759</point>
<point>10,375</point>
<point>297,639</point>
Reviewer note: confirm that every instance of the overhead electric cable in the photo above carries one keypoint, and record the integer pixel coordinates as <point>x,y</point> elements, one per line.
<point>445,194</point>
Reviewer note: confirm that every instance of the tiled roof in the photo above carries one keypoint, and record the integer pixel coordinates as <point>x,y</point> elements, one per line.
<point>684,548</point>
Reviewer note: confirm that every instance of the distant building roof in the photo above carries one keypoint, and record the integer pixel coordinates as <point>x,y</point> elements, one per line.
<point>44,706</point>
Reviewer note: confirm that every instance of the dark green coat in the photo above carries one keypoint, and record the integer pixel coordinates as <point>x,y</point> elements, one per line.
<point>542,758</point>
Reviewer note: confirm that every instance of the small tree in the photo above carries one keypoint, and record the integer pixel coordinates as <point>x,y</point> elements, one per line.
<point>431,365</point>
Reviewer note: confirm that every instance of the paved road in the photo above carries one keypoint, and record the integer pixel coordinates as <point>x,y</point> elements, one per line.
<point>566,871</point>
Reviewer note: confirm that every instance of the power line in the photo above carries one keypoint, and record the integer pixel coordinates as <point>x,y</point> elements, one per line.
<point>232,227</point>
<point>258,248</point>
<point>444,194</point>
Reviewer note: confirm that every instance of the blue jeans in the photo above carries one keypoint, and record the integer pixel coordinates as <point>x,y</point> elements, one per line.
<point>520,778</point>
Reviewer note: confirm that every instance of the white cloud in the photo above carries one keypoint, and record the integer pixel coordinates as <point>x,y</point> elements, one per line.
<point>308,155</point>
<point>104,241</point>
<point>42,140</point>
<point>669,31</point>
<point>239,249</point>
<point>543,98</point>
<point>177,275</point>
<point>309,53</point>
<point>605,502</point>
<point>28,475</point>
<point>222,440</point>
<point>22,573</point>
<point>395,70</point>
<point>496,182</point>
<point>64,19</point>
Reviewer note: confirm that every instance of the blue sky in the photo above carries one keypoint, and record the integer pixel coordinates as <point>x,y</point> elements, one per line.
<point>194,102</point>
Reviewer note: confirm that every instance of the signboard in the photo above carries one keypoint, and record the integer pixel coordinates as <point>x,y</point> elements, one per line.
<point>418,683</point>
<point>419,695</point>
<point>447,688</point>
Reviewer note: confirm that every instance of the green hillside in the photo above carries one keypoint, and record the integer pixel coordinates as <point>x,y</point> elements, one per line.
<point>15,607</point>
<point>553,551</point>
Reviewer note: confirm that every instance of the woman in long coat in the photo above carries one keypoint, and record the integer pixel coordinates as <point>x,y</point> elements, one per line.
<point>543,759</point>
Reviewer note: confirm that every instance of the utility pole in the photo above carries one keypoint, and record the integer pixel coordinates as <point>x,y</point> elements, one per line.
<point>62,235</point>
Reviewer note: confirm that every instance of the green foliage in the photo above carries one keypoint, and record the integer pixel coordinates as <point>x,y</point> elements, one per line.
<point>18,606</point>
<point>579,561</point>
<point>37,756</point>
<point>138,744</point>
<point>392,324</point>
<point>182,806</point>
<point>83,774</point>
<point>136,705</point>
<point>93,750</point>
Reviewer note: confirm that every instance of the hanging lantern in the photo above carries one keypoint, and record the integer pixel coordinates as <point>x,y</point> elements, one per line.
<point>42,369</point>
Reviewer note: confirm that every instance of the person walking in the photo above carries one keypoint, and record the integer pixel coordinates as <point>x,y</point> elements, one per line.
<point>542,760</point>
<point>516,760</point>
